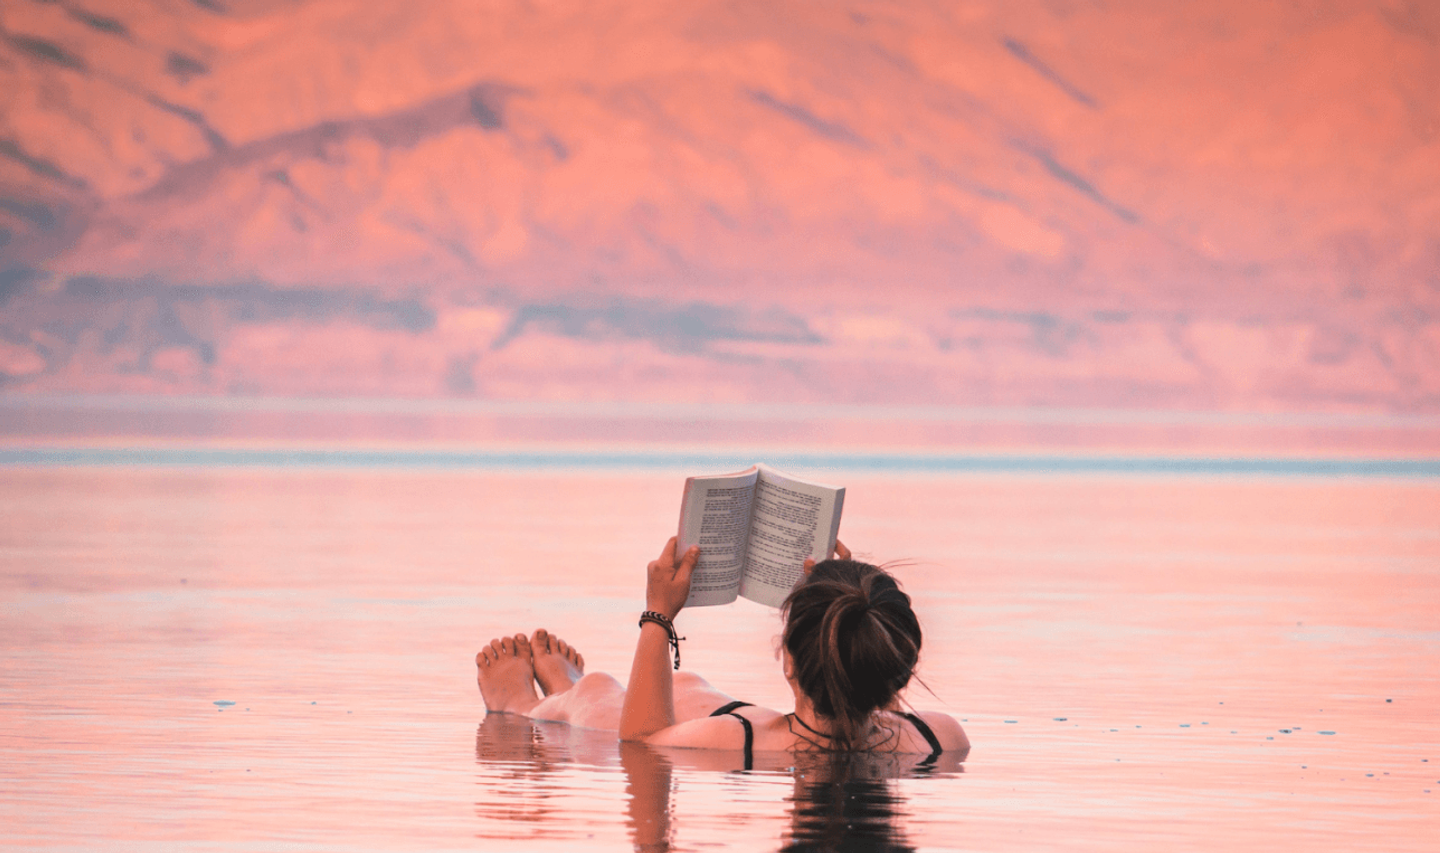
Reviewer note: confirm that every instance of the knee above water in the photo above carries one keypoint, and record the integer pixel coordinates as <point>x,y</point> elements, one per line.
<point>598,682</point>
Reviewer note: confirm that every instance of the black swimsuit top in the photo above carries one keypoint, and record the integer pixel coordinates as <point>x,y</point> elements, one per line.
<point>919,724</point>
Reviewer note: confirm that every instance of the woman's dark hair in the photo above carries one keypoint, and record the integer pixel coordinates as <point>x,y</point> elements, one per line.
<point>853,642</point>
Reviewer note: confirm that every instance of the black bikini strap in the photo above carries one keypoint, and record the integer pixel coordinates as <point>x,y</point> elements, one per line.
<point>925,732</point>
<point>749,741</point>
<point>806,726</point>
<point>726,709</point>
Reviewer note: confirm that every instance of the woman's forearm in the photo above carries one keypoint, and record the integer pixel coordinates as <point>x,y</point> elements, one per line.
<point>650,697</point>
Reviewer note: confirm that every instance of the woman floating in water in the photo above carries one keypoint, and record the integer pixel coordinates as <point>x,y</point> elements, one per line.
<point>850,645</point>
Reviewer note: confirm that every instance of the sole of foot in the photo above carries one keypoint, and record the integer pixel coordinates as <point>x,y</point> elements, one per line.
<point>506,675</point>
<point>557,665</point>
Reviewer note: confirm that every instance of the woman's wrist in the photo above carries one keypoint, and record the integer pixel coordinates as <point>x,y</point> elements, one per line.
<point>668,612</point>
<point>663,622</point>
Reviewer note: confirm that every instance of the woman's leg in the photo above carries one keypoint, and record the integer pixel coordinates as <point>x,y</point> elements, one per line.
<point>508,668</point>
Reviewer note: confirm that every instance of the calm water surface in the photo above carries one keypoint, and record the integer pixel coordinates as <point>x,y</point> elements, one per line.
<point>238,658</point>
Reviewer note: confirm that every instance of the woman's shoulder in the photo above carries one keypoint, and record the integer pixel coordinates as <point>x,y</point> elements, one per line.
<point>947,730</point>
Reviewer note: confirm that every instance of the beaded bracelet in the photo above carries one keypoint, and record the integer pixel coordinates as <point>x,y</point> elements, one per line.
<point>664,622</point>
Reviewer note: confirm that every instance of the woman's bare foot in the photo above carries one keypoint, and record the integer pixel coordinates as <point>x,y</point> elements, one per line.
<point>507,675</point>
<point>557,665</point>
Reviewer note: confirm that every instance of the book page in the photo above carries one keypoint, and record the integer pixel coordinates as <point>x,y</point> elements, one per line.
<point>715,515</point>
<point>790,521</point>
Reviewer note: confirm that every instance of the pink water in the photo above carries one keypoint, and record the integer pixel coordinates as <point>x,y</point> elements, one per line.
<point>1142,662</point>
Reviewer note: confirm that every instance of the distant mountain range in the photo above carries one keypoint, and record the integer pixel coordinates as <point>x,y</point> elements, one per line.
<point>1217,206</point>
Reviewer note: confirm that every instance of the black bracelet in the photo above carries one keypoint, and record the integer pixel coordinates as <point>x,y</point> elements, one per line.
<point>661,620</point>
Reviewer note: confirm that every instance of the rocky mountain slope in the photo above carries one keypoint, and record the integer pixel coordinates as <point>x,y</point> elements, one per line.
<point>1230,205</point>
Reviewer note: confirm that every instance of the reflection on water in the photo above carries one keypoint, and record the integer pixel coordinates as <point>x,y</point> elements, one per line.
<point>849,803</point>
<point>530,770</point>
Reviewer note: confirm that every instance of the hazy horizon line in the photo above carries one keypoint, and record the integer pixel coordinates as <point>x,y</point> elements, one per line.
<point>689,461</point>
<point>729,411</point>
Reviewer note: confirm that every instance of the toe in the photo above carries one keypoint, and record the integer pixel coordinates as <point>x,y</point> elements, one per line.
<point>480,659</point>
<point>542,641</point>
<point>504,646</point>
<point>522,646</point>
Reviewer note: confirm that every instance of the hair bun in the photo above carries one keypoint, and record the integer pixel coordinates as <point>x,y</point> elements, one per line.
<point>854,642</point>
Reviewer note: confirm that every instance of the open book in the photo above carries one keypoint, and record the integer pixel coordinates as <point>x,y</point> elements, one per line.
<point>755,529</point>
